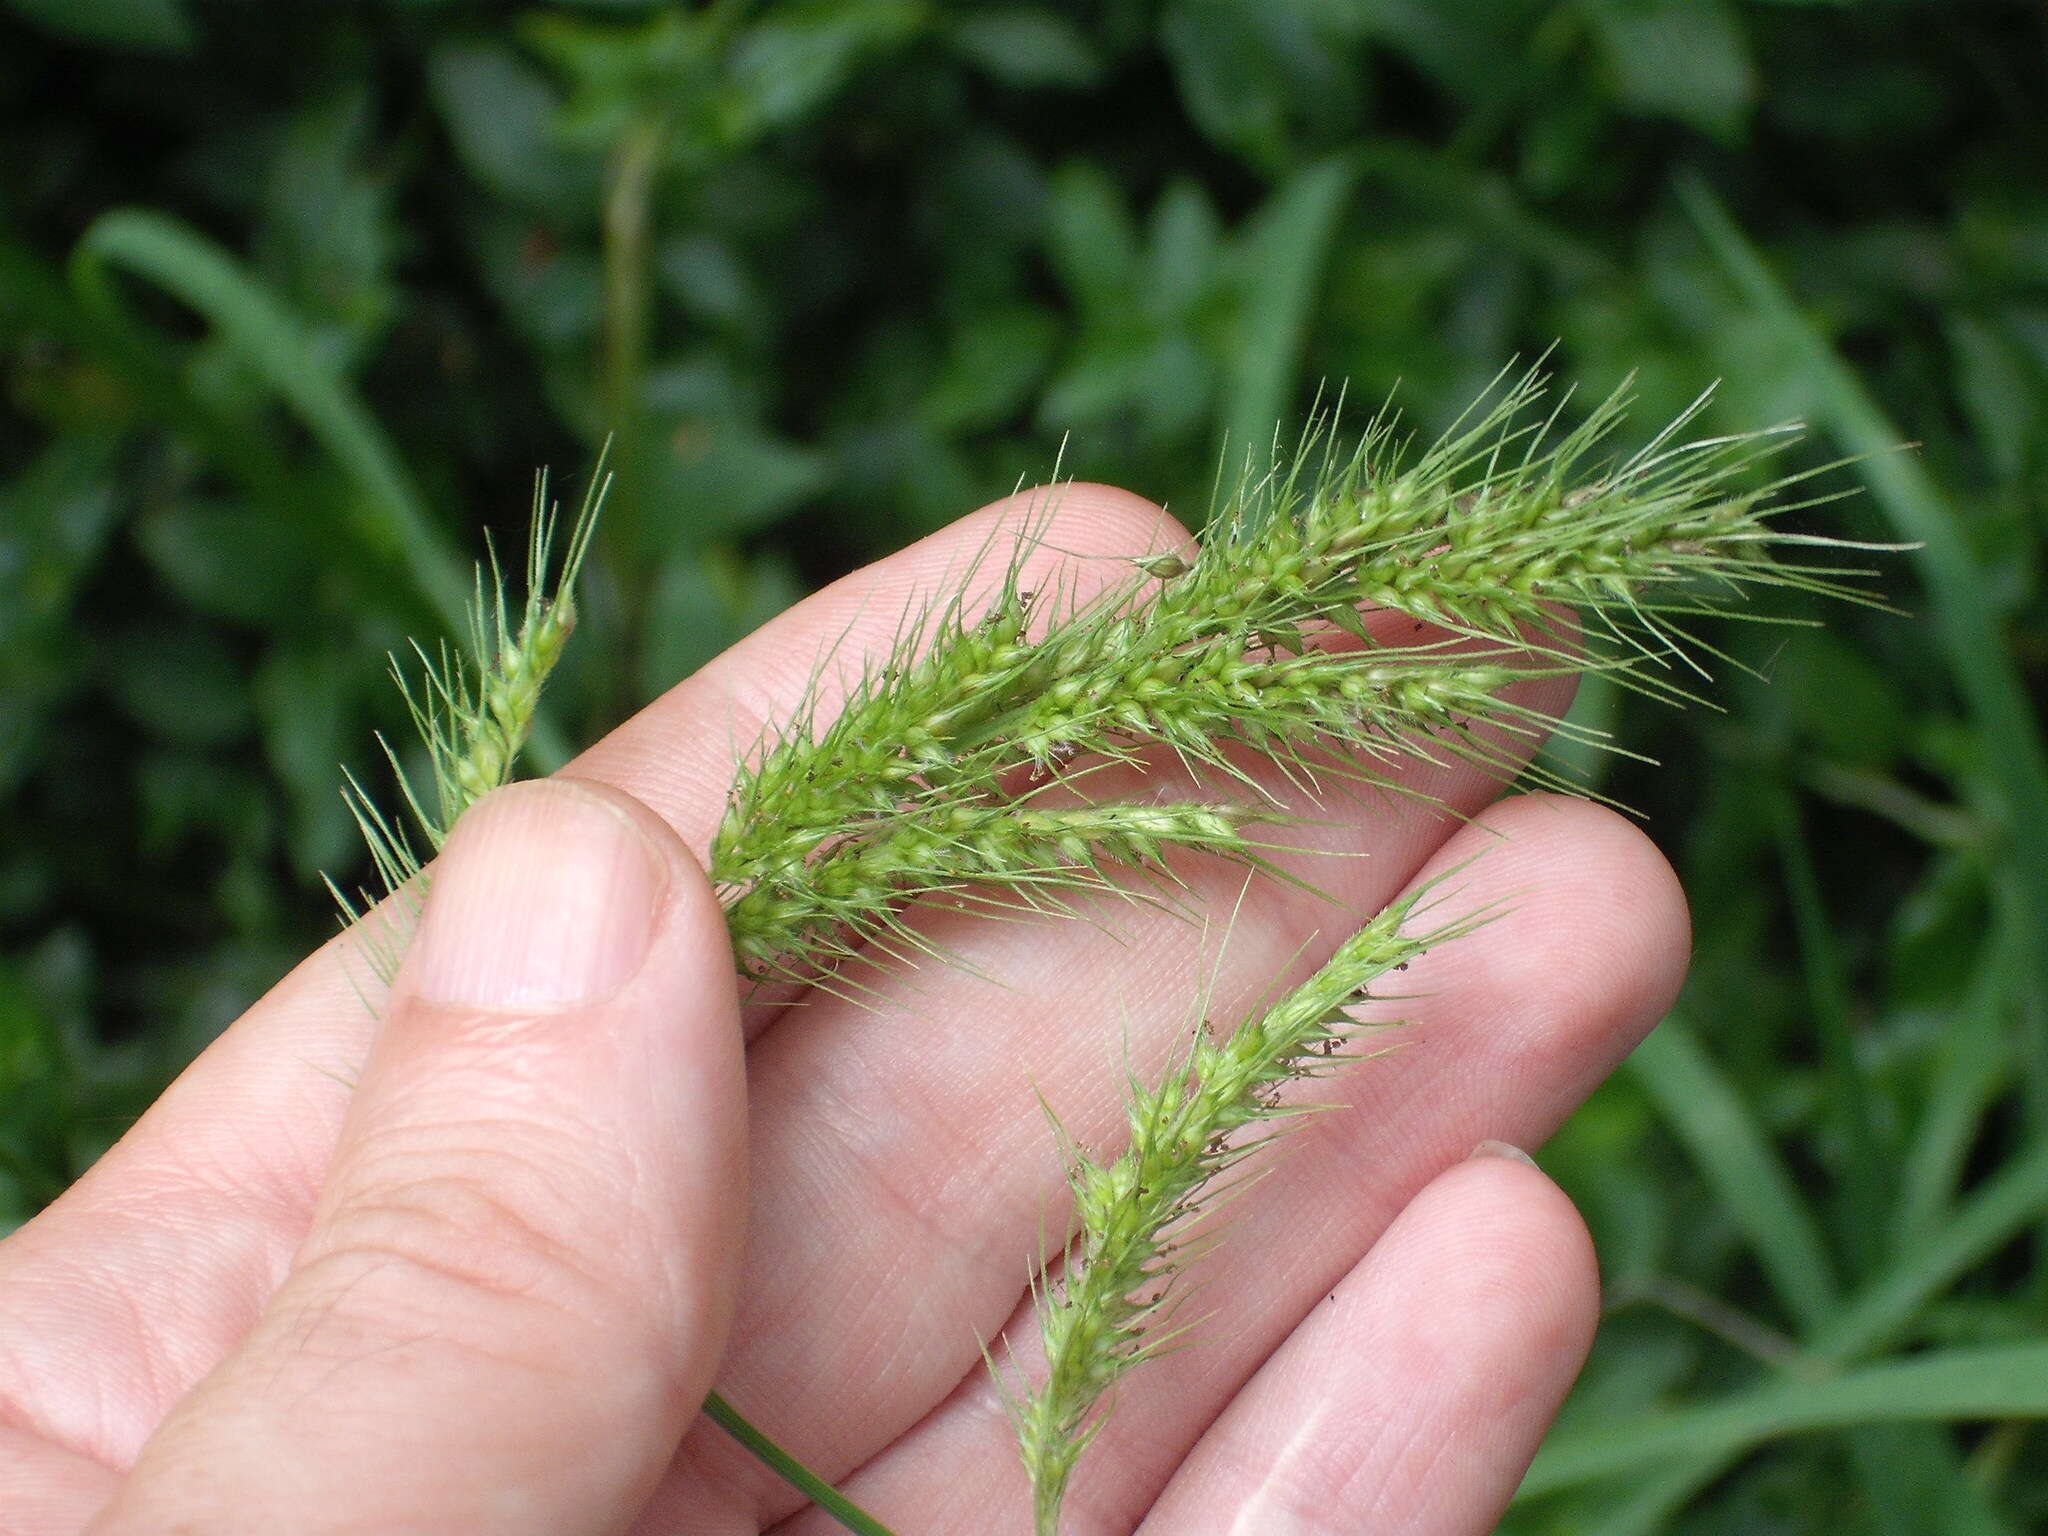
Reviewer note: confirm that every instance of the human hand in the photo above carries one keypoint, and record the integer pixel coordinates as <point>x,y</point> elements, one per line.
<point>484,1288</point>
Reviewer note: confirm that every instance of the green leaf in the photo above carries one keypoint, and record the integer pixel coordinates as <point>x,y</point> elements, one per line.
<point>1917,1485</point>
<point>618,74</point>
<point>148,26</point>
<point>554,296</point>
<point>305,713</point>
<point>1847,1090</point>
<point>330,235</point>
<point>46,1075</point>
<point>784,68</point>
<point>702,602</point>
<point>1972,1064</point>
<point>1478,49</point>
<point>1111,372</point>
<point>1091,240</point>
<point>1977,654</point>
<point>1749,1180</point>
<point>390,517</point>
<point>2002,393</point>
<point>1256,74</point>
<point>55,517</point>
<point>1843,701</point>
<point>989,369</point>
<point>186,794</point>
<point>1654,1496</point>
<point>182,685</point>
<point>1281,256</point>
<point>2012,1199</point>
<point>1027,47</point>
<point>723,480</point>
<point>1963,1385</point>
<point>500,112</point>
<point>235,562</point>
<point>1686,59</point>
<point>707,279</point>
<point>1182,251</point>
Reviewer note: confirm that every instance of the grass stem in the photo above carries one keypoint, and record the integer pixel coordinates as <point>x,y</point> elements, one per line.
<point>792,1471</point>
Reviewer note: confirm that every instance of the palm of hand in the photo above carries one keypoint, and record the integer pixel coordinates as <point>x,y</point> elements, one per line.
<point>1384,1342</point>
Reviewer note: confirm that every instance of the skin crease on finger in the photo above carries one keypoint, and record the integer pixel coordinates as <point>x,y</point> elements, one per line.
<point>159,1259</point>
<point>1512,1026</point>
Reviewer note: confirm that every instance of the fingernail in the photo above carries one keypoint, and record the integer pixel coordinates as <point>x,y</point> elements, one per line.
<point>1502,1149</point>
<point>544,897</point>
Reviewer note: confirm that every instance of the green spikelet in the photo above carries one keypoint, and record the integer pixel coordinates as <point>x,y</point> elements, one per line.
<point>1499,545</point>
<point>1108,1311</point>
<point>474,709</point>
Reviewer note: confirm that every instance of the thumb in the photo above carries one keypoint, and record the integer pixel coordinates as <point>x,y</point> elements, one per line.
<point>522,1265</point>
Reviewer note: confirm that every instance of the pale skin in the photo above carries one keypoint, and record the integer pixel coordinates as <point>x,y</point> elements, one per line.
<point>472,1264</point>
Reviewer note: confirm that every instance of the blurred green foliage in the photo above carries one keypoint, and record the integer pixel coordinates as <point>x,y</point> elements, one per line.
<point>293,299</point>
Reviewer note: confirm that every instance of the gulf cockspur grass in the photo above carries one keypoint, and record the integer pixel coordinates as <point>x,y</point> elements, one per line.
<point>1350,609</point>
<point>1108,1308</point>
<point>1496,539</point>
<point>473,706</point>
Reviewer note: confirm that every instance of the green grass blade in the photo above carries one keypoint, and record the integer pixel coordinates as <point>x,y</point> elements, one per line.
<point>1964,623</point>
<point>1731,1150</point>
<point>1962,1384</point>
<point>1944,1501</point>
<point>1916,1484</point>
<point>1973,1069</point>
<point>1286,247</point>
<point>270,340</point>
<point>34,298</point>
<point>392,521</point>
<point>1653,1498</point>
<point>1983,1224</point>
<point>1865,1160</point>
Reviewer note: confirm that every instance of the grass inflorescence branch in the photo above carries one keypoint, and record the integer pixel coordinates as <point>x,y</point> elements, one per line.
<point>1028,855</point>
<point>473,707</point>
<point>1513,553</point>
<point>1219,1103</point>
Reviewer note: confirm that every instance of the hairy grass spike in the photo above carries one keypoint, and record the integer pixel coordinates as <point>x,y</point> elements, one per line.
<point>1105,1314</point>
<point>1490,542</point>
<point>851,895</point>
<point>473,708</point>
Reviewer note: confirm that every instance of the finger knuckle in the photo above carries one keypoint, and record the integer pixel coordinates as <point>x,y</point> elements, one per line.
<point>498,1223</point>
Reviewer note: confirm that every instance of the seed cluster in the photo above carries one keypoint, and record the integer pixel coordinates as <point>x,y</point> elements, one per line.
<point>1037,855</point>
<point>1279,636</point>
<point>1105,1314</point>
<point>473,709</point>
